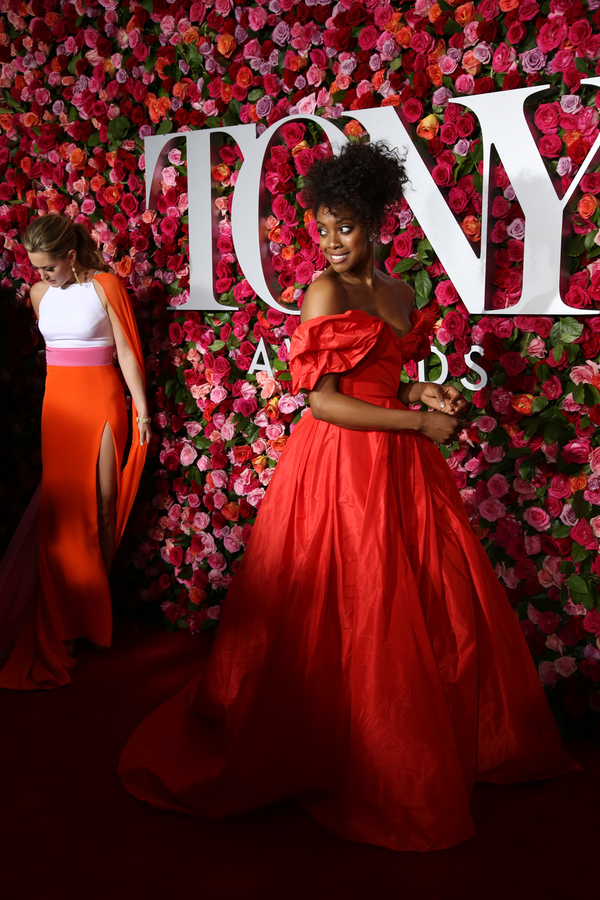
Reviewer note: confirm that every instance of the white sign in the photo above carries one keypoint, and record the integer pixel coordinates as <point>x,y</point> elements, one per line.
<point>504,126</point>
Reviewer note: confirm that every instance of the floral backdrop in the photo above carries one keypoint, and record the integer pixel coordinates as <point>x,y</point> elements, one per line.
<point>83,83</point>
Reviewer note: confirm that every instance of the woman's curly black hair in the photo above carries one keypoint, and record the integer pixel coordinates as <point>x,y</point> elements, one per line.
<point>366,179</point>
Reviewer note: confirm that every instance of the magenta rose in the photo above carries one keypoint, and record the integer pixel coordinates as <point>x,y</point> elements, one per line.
<point>546,118</point>
<point>591,622</point>
<point>552,388</point>
<point>582,533</point>
<point>552,34</point>
<point>576,451</point>
<point>560,486</point>
<point>412,110</point>
<point>551,146</point>
<point>492,509</point>
<point>538,518</point>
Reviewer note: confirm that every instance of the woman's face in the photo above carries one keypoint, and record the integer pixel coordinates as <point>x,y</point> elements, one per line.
<point>56,272</point>
<point>343,240</point>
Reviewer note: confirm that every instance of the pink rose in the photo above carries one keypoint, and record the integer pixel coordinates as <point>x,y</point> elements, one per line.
<point>486,424</point>
<point>552,388</point>
<point>498,486</point>
<point>560,486</point>
<point>503,57</point>
<point>565,666</point>
<point>547,672</point>
<point>538,518</point>
<point>594,523</point>
<point>492,509</point>
<point>594,461</point>
<point>188,455</point>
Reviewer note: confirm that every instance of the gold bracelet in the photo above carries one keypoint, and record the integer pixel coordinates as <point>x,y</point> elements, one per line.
<point>142,421</point>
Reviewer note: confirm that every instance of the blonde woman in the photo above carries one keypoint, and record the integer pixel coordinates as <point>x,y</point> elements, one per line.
<point>86,494</point>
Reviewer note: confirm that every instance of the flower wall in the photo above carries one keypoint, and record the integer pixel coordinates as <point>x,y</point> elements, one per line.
<point>82,85</point>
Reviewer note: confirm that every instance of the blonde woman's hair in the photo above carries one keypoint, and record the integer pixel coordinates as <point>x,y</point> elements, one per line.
<point>57,235</point>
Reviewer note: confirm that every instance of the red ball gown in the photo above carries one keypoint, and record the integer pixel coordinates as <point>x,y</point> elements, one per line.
<point>367,662</point>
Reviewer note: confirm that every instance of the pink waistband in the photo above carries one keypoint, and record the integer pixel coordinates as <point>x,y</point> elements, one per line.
<point>79,356</point>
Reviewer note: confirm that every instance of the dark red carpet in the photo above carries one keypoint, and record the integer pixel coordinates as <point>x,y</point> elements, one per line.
<point>68,829</point>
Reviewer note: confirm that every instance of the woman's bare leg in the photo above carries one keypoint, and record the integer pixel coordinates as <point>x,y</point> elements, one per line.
<point>106,489</point>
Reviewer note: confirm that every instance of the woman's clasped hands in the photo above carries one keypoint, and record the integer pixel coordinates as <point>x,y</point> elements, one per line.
<point>444,422</point>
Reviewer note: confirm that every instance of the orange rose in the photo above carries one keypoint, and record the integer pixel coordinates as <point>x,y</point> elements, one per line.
<point>226,92</point>
<point>578,482</point>
<point>279,443</point>
<point>78,158</point>
<point>435,12</point>
<point>436,75</point>
<point>472,228</point>
<point>404,36</point>
<point>465,14</point>
<point>111,158</point>
<point>231,511</point>
<point>123,267</point>
<point>587,206</point>
<point>378,79</point>
<point>30,120</point>
<point>113,193</point>
<point>507,5</point>
<point>226,44</point>
<point>391,100</point>
<point>197,595</point>
<point>244,77</point>
<point>571,136</point>
<point>221,172</point>
<point>308,217</point>
<point>470,63</point>
<point>191,35</point>
<point>6,121</point>
<point>393,24</point>
<point>272,408</point>
<point>303,145</point>
<point>428,127</point>
<point>288,295</point>
<point>253,114</point>
<point>97,182</point>
<point>274,234</point>
<point>296,63</point>
<point>288,253</point>
<point>522,403</point>
<point>353,129</point>
<point>438,50</point>
<point>259,463</point>
<point>26,164</point>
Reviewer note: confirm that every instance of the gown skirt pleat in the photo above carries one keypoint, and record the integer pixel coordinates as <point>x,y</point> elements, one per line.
<point>367,661</point>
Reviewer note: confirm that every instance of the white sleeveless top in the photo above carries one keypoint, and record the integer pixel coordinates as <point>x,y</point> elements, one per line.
<point>74,317</point>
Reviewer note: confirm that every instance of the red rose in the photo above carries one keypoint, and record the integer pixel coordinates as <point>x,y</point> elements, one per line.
<point>582,533</point>
<point>512,362</point>
<point>578,150</point>
<point>550,146</point>
<point>590,669</point>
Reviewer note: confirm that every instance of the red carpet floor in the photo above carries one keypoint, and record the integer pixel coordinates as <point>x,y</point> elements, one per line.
<point>69,830</point>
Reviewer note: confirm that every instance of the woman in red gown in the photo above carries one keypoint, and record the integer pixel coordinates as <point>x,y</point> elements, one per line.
<point>367,662</point>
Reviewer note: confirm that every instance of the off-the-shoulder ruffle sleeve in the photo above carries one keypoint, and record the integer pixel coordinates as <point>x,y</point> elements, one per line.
<point>416,344</point>
<point>331,344</point>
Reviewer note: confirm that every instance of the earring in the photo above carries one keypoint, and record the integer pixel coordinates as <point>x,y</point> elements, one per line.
<point>75,274</point>
<point>373,237</point>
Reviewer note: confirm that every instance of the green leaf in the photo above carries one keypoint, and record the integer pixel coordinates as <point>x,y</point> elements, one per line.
<point>539,403</point>
<point>552,432</point>
<point>186,573</point>
<point>117,129</point>
<point>284,376</point>
<point>557,352</point>
<point>590,241</point>
<point>576,246</point>
<point>255,94</point>
<point>423,285</point>
<point>530,429</point>
<point>216,345</point>
<point>577,585</point>
<point>165,127</point>
<point>579,553</point>
<point>581,507</point>
<point>404,265</point>
<point>578,393</point>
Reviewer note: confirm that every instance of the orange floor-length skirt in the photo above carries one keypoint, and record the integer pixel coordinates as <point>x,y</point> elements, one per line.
<point>73,592</point>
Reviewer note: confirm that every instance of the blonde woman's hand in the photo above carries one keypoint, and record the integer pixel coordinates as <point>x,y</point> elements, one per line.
<point>145,432</point>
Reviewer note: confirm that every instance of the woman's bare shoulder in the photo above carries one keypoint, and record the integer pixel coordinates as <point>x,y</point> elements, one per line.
<point>36,292</point>
<point>324,297</point>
